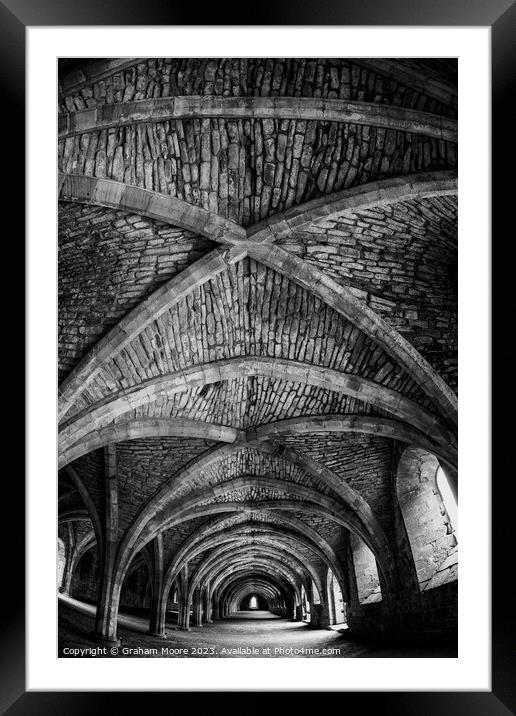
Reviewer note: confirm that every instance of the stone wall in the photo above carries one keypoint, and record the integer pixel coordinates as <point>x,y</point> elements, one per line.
<point>247,170</point>
<point>366,572</point>
<point>401,260</point>
<point>137,589</point>
<point>333,78</point>
<point>250,402</point>
<point>144,465</point>
<point>91,470</point>
<point>241,336</point>
<point>425,520</point>
<point>433,618</point>
<point>84,585</point>
<point>109,261</point>
<point>362,461</point>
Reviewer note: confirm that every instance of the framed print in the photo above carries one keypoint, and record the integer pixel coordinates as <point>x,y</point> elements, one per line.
<point>258,302</point>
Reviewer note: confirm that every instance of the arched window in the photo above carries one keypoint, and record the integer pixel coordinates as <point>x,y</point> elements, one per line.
<point>448,498</point>
<point>366,572</point>
<point>429,512</point>
<point>336,603</point>
<point>253,602</point>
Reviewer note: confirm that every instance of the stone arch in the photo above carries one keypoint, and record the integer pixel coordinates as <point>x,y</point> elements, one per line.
<point>278,592</point>
<point>243,590</point>
<point>86,543</point>
<point>185,508</point>
<point>71,515</point>
<point>207,497</point>
<point>168,295</point>
<point>219,558</point>
<point>413,77</point>
<point>265,569</point>
<point>199,539</point>
<point>338,296</point>
<point>162,109</point>
<point>367,424</point>
<point>166,208</point>
<point>149,427</point>
<point>75,537</point>
<point>356,198</point>
<point>88,503</point>
<point>85,576</point>
<point>252,599</point>
<point>275,538</point>
<point>184,427</point>
<point>159,500</point>
<point>216,508</point>
<point>353,385</point>
<point>403,71</point>
<point>267,564</point>
<point>253,171</point>
<point>136,588</point>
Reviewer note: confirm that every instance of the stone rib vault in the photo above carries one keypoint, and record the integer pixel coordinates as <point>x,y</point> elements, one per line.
<point>258,340</point>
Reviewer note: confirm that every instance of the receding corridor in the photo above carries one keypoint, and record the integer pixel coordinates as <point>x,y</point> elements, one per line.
<point>258,356</point>
<point>246,634</point>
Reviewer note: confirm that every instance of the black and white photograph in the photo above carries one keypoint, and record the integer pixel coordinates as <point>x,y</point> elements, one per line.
<point>258,335</point>
<point>257,357</point>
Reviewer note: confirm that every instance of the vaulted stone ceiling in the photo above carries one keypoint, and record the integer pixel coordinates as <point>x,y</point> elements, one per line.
<point>257,305</point>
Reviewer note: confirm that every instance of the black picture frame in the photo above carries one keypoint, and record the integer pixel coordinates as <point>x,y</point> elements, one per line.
<point>500,15</point>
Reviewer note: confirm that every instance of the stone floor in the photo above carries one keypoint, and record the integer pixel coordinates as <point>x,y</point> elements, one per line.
<point>246,634</point>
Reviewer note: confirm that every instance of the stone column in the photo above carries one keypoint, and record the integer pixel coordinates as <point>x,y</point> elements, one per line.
<point>158,605</point>
<point>69,559</point>
<point>290,609</point>
<point>217,610</point>
<point>299,613</point>
<point>67,580</point>
<point>207,608</point>
<point>324,617</point>
<point>197,608</point>
<point>332,607</point>
<point>315,615</point>
<point>183,618</point>
<point>107,605</point>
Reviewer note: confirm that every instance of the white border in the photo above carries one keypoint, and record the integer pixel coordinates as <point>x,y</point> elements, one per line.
<point>471,670</point>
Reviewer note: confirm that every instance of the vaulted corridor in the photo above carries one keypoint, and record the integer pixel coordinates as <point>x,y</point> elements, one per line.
<point>258,354</point>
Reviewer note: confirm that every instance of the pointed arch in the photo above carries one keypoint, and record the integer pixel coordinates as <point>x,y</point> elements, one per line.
<point>106,192</point>
<point>162,109</point>
<point>356,198</point>
<point>340,298</point>
<point>150,427</point>
<point>348,383</point>
<point>168,295</point>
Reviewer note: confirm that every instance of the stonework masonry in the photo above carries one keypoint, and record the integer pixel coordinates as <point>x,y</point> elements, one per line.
<point>258,342</point>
